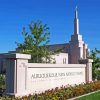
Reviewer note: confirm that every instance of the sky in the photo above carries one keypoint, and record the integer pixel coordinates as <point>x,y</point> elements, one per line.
<point>57,14</point>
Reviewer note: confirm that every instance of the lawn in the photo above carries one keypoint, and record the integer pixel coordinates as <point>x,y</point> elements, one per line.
<point>94,96</point>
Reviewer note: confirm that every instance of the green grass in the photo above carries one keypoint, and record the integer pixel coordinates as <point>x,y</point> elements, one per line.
<point>94,96</point>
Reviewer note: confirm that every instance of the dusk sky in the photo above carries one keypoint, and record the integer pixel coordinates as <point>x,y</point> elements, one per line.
<point>57,14</point>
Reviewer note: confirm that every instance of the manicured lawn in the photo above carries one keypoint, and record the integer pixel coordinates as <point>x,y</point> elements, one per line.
<point>94,96</point>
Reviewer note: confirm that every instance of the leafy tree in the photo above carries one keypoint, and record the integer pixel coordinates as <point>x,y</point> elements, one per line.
<point>95,55</point>
<point>2,81</point>
<point>35,42</point>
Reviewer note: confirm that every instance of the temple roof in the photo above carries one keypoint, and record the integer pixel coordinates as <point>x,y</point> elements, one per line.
<point>63,47</point>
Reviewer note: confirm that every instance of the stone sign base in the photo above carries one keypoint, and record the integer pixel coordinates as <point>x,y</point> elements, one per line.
<point>25,78</point>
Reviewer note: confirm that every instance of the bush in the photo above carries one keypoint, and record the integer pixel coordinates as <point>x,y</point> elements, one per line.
<point>63,93</point>
<point>2,81</point>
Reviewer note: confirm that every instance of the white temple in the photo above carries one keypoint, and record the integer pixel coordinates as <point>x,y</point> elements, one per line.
<point>70,53</point>
<point>76,48</point>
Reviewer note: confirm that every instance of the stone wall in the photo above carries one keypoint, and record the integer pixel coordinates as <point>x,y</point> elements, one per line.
<point>25,78</point>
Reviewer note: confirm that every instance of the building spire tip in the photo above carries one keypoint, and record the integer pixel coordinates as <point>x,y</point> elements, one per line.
<point>76,7</point>
<point>76,23</point>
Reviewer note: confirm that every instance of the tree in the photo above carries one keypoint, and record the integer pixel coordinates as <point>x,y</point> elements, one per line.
<point>2,81</point>
<point>96,63</point>
<point>35,42</point>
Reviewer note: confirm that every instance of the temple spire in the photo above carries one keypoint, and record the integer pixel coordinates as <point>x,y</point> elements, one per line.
<point>76,14</point>
<point>76,22</point>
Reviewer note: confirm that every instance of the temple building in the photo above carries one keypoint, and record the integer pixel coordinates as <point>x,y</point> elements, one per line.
<point>76,48</point>
<point>70,52</point>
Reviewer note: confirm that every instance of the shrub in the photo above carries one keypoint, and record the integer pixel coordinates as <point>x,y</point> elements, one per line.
<point>2,81</point>
<point>62,93</point>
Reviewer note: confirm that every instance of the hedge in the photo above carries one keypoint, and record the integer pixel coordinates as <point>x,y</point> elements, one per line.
<point>62,93</point>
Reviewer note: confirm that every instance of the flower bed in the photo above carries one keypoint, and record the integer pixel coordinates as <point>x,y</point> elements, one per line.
<point>64,92</point>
